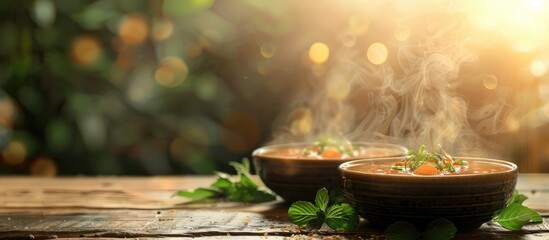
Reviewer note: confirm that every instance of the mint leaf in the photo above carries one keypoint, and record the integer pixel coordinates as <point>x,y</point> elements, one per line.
<point>199,193</point>
<point>243,190</point>
<point>440,229</point>
<point>246,181</point>
<point>401,231</point>
<point>302,212</point>
<point>339,217</point>
<point>222,183</point>
<point>243,167</point>
<point>336,196</point>
<point>517,198</point>
<point>322,199</point>
<point>239,193</point>
<point>315,223</point>
<point>342,217</point>
<point>259,195</point>
<point>515,216</point>
<point>520,198</point>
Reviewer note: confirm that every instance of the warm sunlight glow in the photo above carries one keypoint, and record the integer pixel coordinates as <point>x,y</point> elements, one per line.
<point>523,23</point>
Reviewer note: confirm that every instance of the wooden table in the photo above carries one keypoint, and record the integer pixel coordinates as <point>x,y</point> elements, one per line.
<point>142,207</point>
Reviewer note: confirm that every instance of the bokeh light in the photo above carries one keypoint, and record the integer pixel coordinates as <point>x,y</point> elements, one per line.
<point>43,166</point>
<point>319,53</point>
<point>377,53</point>
<point>268,50</point>
<point>14,154</point>
<point>263,68</point>
<point>162,29</point>
<point>86,50</point>
<point>8,111</point>
<point>348,39</point>
<point>338,89</point>
<point>171,71</point>
<point>133,30</point>
<point>490,82</point>
<point>538,68</point>
<point>402,33</point>
<point>44,12</point>
<point>301,121</point>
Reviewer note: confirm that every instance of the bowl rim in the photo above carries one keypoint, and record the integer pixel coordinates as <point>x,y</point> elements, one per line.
<point>258,152</point>
<point>343,168</point>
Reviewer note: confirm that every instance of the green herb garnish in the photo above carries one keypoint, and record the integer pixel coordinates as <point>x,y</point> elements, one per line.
<point>440,160</point>
<point>438,229</point>
<point>243,190</point>
<point>330,147</point>
<point>515,215</point>
<point>339,217</point>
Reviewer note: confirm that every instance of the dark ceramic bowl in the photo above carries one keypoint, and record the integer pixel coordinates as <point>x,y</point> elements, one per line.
<point>296,178</point>
<point>468,200</point>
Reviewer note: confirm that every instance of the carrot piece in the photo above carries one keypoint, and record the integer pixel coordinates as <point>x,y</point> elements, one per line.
<point>426,170</point>
<point>399,164</point>
<point>331,153</point>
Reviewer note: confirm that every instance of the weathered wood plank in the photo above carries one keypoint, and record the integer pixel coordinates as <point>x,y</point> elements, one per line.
<point>92,192</point>
<point>156,192</point>
<point>272,221</point>
<point>114,208</point>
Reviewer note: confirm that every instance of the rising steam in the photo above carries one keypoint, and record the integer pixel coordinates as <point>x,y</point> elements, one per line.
<point>412,101</point>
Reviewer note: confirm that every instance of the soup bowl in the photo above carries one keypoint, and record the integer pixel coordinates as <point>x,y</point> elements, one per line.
<point>468,199</point>
<point>295,177</point>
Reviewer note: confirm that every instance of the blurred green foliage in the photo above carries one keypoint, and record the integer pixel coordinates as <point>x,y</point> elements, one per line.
<point>135,86</point>
<point>146,87</point>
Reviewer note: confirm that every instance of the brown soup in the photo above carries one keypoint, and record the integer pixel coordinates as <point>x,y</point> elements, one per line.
<point>359,152</point>
<point>474,167</point>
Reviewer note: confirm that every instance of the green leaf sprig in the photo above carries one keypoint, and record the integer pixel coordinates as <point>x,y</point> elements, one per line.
<point>339,217</point>
<point>438,229</point>
<point>339,144</point>
<point>242,190</point>
<point>515,215</point>
<point>441,160</point>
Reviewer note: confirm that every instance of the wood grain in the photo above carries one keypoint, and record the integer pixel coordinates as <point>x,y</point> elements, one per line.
<point>115,208</point>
